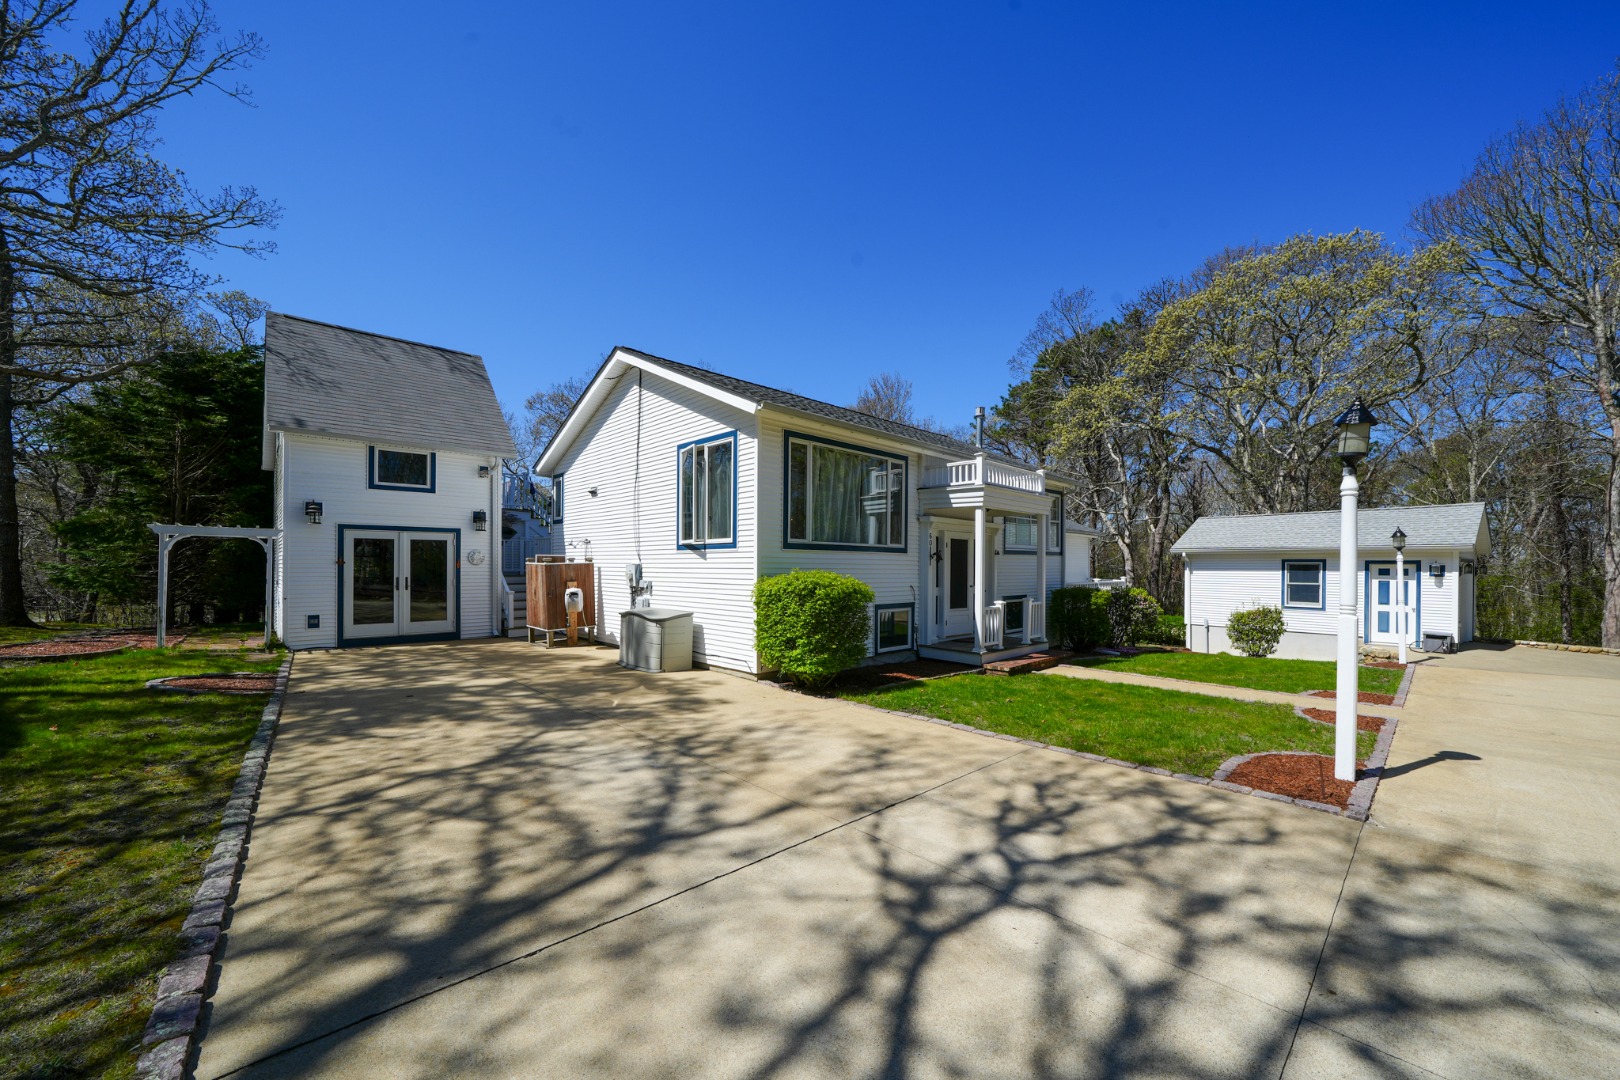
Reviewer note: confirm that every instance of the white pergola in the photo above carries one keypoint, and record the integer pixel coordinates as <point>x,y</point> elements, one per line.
<point>170,535</point>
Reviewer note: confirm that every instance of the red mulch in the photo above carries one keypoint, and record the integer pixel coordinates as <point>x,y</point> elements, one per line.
<point>1363,697</point>
<point>241,684</point>
<point>1387,665</point>
<point>84,645</point>
<point>1326,716</point>
<point>1298,776</point>
<point>865,678</point>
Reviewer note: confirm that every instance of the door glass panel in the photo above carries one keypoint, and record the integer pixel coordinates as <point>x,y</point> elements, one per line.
<point>959,573</point>
<point>1383,622</point>
<point>1383,592</point>
<point>430,580</point>
<point>374,576</point>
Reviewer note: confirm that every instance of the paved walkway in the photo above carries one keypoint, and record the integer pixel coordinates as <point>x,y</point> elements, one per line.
<point>1236,693</point>
<point>538,864</point>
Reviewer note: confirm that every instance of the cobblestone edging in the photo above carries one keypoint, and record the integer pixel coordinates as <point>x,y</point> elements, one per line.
<point>1568,648</point>
<point>1406,684</point>
<point>172,1031</point>
<point>1360,797</point>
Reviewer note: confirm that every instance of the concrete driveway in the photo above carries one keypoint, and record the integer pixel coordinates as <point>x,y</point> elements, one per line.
<point>486,860</point>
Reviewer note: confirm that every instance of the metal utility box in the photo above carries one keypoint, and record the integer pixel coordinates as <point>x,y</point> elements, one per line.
<point>655,639</point>
<point>1439,643</point>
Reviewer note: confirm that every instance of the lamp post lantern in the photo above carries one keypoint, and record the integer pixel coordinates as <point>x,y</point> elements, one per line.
<point>1397,540</point>
<point>1355,426</point>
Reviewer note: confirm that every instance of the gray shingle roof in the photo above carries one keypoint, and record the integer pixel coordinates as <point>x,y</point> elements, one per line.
<point>786,399</point>
<point>330,380</point>
<point>1454,525</point>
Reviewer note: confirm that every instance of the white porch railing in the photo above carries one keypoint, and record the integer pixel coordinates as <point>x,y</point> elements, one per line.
<point>977,472</point>
<point>518,550</point>
<point>1035,621</point>
<point>995,621</point>
<point>506,603</point>
<point>1107,583</point>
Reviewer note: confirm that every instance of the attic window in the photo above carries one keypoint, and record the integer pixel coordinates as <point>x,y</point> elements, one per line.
<point>402,470</point>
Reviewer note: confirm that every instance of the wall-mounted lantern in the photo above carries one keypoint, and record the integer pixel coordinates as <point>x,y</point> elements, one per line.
<point>483,472</point>
<point>1437,571</point>
<point>312,510</point>
<point>1468,566</point>
<point>480,520</point>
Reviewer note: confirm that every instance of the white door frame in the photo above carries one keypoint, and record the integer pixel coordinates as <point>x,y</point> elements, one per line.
<point>1380,603</point>
<point>399,626</point>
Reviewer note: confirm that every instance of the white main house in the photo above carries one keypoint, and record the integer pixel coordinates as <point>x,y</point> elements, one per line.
<point>708,483</point>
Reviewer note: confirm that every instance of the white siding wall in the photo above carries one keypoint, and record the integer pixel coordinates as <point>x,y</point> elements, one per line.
<point>716,584</point>
<point>278,518</point>
<point>1077,559</point>
<point>894,576</point>
<point>1219,584</point>
<point>333,471</point>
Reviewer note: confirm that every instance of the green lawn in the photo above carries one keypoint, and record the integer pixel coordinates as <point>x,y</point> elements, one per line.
<point>110,799</point>
<point>241,634</point>
<point>1252,672</point>
<point>1187,733</point>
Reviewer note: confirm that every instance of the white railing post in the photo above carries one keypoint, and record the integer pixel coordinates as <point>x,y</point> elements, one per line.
<point>995,622</point>
<point>1037,621</point>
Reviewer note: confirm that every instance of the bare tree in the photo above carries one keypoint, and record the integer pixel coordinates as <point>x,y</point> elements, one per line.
<point>887,395</point>
<point>1539,220</point>
<point>97,233</point>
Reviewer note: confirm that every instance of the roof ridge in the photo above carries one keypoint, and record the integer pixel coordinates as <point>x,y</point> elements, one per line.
<point>1363,509</point>
<point>375,334</point>
<point>931,435</point>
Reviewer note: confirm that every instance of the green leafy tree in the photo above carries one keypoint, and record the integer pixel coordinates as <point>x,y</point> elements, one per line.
<point>176,440</point>
<point>98,234</point>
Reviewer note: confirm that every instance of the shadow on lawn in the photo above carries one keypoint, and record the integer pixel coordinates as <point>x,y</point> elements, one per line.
<point>1048,920</point>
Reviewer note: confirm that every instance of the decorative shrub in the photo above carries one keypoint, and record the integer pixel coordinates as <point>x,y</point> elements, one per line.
<point>811,624</point>
<point>1078,618</point>
<point>1132,614</point>
<point>1169,630</point>
<point>1257,631</point>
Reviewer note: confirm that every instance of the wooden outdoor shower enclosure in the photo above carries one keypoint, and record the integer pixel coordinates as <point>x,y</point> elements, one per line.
<point>547,578</point>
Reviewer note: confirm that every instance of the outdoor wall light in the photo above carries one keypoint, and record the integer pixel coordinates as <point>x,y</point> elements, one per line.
<point>1437,571</point>
<point>480,520</point>
<point>1397,539</point>
<point>591,493</point>
<point>1467,567</point>
<point>1355,426</point>
<point>312,510</point>
<point>483,472</point>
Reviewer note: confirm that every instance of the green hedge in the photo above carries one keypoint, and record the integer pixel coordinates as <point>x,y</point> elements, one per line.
<point>1169,630</point>
<point>1255,632</point>
<point>1079,617</point>
<point>811,624</point>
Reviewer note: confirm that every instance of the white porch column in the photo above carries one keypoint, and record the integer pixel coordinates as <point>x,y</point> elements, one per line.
<point>923,633</point>
<point>981,566</point>
<point>1040,561</point>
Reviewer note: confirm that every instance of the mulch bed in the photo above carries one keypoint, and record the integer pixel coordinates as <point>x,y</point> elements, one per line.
<point>1298,776</point>
<point>1387,665</point>
<point>221,684</point>
<point>81,645</point>
<point>870,678</point>
<point>1326,716</point>
<point>1363,697</point>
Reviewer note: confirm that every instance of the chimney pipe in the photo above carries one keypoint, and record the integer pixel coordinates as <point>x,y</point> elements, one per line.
<point>978,427</point>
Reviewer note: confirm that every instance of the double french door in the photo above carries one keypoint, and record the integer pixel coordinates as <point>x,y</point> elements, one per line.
<point>398,583</point>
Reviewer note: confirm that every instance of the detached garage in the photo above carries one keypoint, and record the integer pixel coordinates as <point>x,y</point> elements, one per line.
<point>1292,561</point>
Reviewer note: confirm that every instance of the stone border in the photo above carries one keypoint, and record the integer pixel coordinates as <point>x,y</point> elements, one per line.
<point>1361,795</point>
<point>1560,647</point>
<point>1406,683</point>
<point>163,683</point>
<point>171,1033</point>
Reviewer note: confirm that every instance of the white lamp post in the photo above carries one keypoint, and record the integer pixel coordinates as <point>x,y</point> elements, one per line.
<point>1355,440</point>
<point>1397,540</point>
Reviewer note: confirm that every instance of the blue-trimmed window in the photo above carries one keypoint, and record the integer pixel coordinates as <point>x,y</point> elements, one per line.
<point>1020,531</point>
<point>401,470</point>
<point>842,496</point>
<point>891,627</point>
<point>1304,584</point>
<point>707,470</point>
<point>557,499</point>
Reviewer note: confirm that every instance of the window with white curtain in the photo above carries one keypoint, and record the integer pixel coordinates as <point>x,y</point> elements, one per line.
<point>844,496</point>
<point>708,491</point>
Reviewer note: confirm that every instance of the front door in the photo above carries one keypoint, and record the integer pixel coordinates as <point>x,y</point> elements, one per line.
<point>1382,598</point>
<point>954,584</point>
<point>398,583</point>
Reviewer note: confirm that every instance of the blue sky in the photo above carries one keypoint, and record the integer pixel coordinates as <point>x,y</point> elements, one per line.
<point>808,194</point>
